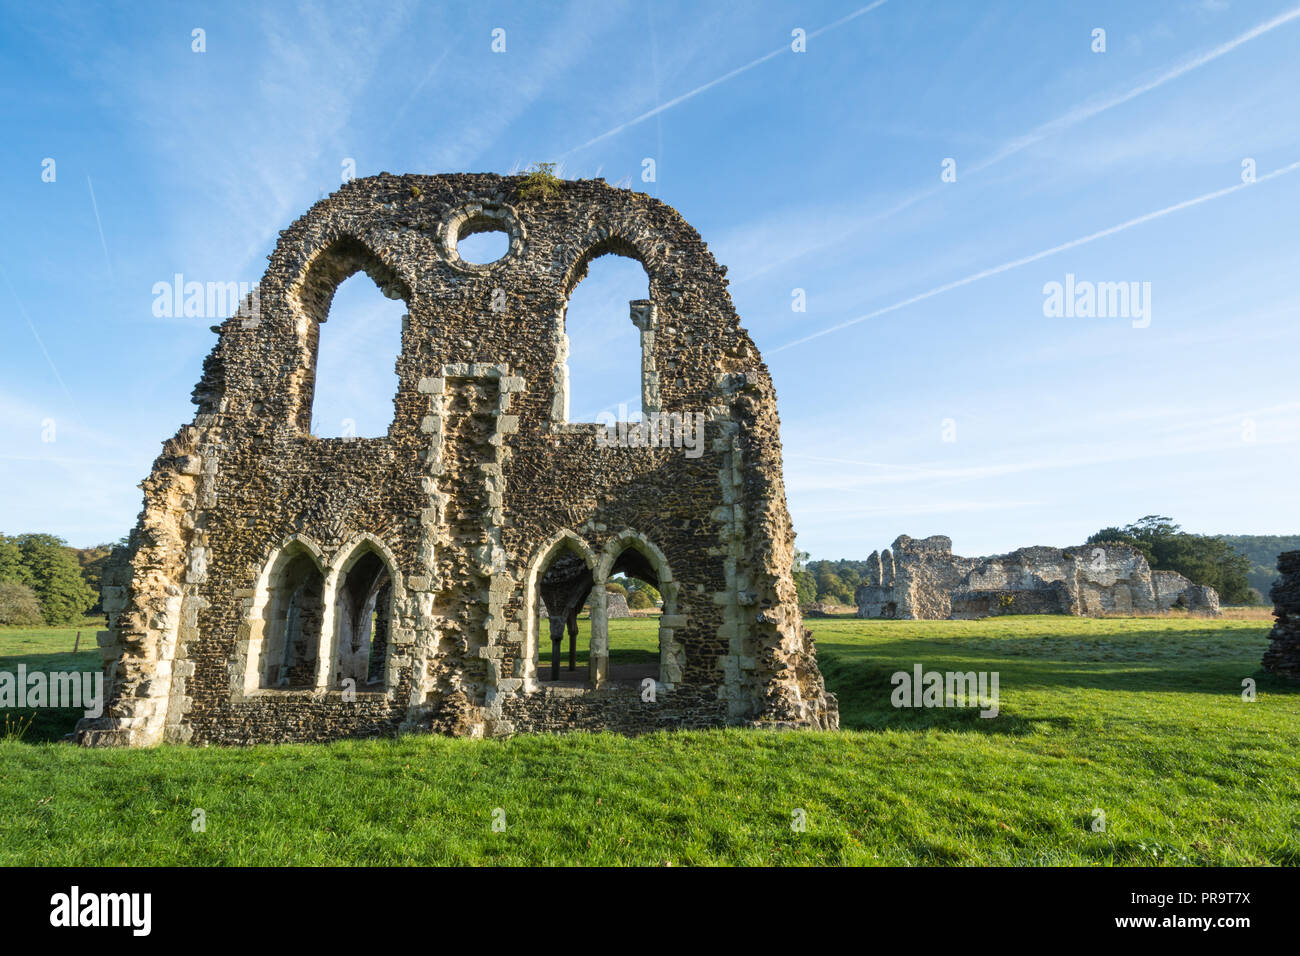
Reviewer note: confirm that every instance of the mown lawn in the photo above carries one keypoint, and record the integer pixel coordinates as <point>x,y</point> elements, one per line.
<point>1142,719</point>
<point>633,640</point>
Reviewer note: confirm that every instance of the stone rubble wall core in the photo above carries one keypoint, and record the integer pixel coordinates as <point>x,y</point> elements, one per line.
<point>924,580</point>
<point>1283,654</point>
<point>236,608</point>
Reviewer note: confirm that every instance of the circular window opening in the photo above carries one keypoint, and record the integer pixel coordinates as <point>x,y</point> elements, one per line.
<point>480,244</point>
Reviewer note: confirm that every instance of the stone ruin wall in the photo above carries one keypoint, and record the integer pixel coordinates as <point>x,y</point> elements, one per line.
<point>616,605</point>
<point>479,484</point>
<point>924,580</point>
<point>1283,654</point>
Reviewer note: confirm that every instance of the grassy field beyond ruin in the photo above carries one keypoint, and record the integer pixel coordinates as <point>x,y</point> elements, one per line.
<point>1139,718</point>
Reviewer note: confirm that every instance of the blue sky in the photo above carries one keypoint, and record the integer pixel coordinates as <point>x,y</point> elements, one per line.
<point>922,391</point>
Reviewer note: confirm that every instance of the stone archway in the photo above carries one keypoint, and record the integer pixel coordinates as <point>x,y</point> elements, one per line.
<point>633,553</point>
<point>282,637</point>
<point>567,592</point>
<point>361,592</point>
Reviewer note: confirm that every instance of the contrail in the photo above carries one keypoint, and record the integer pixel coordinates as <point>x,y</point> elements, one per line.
<point>1016,263</point>
<point>44,351</point>
<point>722,79</point>
<point>1081,113</point>
<point>411,96</point>
<point>1065,121</point>
<point>95,206</point>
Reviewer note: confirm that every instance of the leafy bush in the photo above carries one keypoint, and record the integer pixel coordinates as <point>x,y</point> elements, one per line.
<point>18,604</point>
<point>639,600</point>
<point>540,183</point>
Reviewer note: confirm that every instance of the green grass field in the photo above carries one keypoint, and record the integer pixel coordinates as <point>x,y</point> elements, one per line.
<point>1140,718</point>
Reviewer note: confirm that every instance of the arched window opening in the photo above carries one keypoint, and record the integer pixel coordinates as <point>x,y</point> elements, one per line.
<point>291,643</point>
<point>356,367</point>
<point>353,334</point>
<point>602,377</point>
<point>634,651</point>
<point>362,615</point>
<point>568,576</point>
<point>563,589</point>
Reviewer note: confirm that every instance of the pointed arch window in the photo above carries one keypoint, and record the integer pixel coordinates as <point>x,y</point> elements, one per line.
<point>363,619</point>
<point>291,625</point>
<point>354,342</point>
<point>604,365</point>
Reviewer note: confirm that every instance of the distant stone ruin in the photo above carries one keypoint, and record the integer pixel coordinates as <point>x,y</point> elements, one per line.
<point>818,609</point>
<point>1283,654</point>
<point>924,580</point>
<point>285,587</point>
<point>616,605</point>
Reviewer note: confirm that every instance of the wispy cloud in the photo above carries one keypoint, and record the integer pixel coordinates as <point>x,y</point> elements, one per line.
<point>792,251</point>
<point>1025,260</point>
<point>1087,111</point>
<point>705,87</point>
<point>100,226</point>
<point>31,326</point>
<point>820,479</point>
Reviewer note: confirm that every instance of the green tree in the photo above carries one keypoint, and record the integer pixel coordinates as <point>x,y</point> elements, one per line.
<point>93,561</point>
<point>1262,551</point>
<point>832,589</point>
<point>56,578</point>
<point>806,586</point>
<point>12,565</point>
<point>641,594</point>
<point>638,600</point>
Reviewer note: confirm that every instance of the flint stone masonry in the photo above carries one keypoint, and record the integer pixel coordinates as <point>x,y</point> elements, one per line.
<point>1283,654</point>
<point>924,580</point>
<point>238,612</point>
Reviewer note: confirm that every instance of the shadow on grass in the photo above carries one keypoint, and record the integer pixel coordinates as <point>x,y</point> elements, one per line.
<point>1201,661</point>
<point>1154,644</point>
<point>38,725</point>
<point>44,724</point>
<point>861,678</point>
<point>864,694</point>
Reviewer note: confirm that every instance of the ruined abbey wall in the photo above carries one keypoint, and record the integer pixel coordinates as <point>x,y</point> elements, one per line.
<point>1283,654</point>
<point>235,607</point>
<point>924,580</point>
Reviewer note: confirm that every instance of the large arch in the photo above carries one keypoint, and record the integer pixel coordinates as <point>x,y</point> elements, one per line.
<point>613,558</point>
<point>282,596</point>
<point>643,385</point>
<point>335,261</point>
<point>533,603</point>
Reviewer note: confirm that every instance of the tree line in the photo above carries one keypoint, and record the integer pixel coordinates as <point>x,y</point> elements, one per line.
<point>44,581</point>
<point>828,582</point>
<point>1261,550</point>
